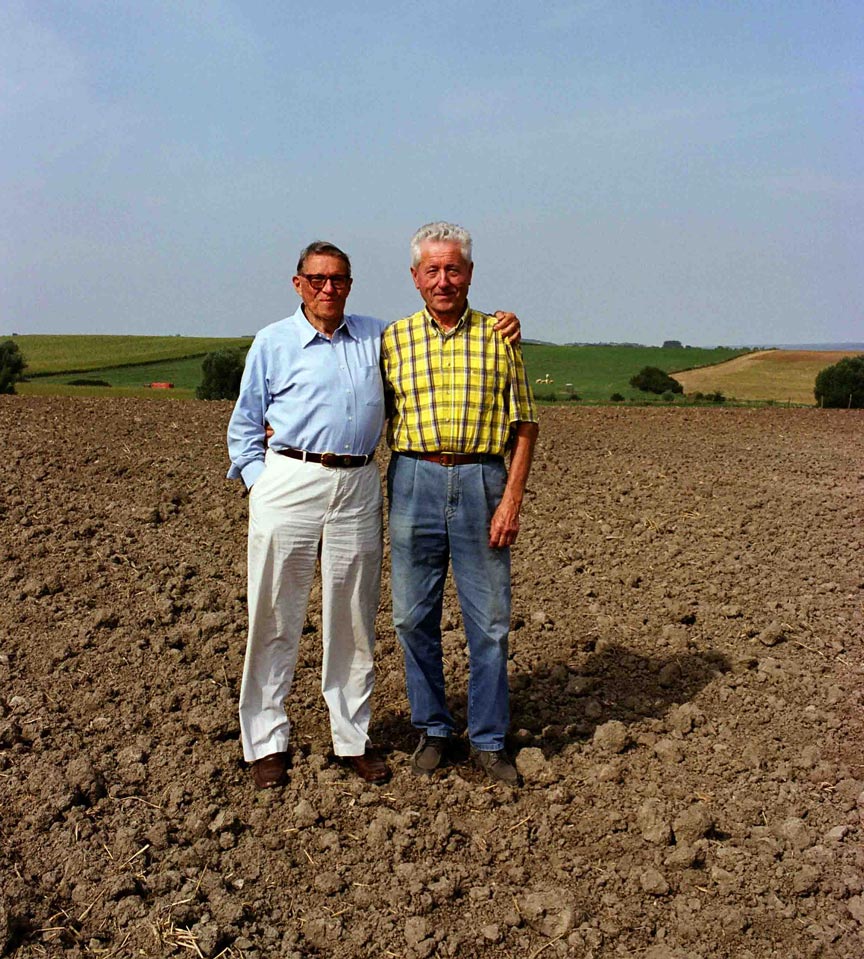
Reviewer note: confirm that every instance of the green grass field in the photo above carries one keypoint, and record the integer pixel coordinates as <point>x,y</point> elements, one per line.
<point>183,373</point>
<point>596,372</point>
<point>128,363</point>
<point>80,354</point>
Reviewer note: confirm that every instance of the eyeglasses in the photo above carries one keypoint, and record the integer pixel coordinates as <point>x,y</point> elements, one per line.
<point>318,281</point>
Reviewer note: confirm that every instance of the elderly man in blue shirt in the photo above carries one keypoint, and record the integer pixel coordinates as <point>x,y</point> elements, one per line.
<point>315,379</point>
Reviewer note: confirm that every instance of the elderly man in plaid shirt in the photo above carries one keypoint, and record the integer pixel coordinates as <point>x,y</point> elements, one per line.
<point>459,400</point>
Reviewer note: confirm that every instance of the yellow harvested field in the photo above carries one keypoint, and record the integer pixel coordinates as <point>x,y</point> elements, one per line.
<point>786,376</point>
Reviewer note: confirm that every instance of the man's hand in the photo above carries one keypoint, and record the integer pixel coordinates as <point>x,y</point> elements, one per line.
<point>504,527</point>
<point>505,524</point>
<point>509,327</point>
<point>268,432</point>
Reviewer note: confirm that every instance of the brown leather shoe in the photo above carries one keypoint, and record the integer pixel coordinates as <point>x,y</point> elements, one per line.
<point>271,771</point>
<point>370,766</point>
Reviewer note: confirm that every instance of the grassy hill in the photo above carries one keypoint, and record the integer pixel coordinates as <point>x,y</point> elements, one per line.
<point>596,372</point>
<point>84,354</point>
<point>128,363</point>
<point>184,373</point>
<point>785,376</point>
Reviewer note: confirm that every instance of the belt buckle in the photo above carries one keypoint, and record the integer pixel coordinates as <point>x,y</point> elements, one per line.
<point>330,460</point>
<point>447,459</point>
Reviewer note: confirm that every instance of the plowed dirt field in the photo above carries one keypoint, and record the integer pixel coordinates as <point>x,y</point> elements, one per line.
<point>687,689</point>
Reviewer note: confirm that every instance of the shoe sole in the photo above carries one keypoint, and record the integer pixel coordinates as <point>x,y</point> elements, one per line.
<point>420,771</point>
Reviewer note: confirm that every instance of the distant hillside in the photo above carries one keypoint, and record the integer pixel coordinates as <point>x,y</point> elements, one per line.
<point>84,353</point>
<point>824,347</point>
<point>129,363</point>
<point>596,372</point>
<point>786,376</point>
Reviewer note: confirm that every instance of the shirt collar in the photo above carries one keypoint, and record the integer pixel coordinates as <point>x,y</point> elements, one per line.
<point>463,320</point>
<point>308,333</point>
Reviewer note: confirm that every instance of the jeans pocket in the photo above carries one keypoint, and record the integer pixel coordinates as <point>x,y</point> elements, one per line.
<point>494,482</point>
<point>400,481</point>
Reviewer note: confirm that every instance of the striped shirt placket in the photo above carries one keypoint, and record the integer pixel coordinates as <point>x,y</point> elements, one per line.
<point>418,354</point>
<point>467,361</point>
<point>447,378</point>
<point>434,399</point>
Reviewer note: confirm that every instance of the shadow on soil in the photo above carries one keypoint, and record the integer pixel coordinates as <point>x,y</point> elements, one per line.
<point>559,707</point>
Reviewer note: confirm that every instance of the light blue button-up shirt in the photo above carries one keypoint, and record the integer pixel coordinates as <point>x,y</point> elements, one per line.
<point>321,395</point>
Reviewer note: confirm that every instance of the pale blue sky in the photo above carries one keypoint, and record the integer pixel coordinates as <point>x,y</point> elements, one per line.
<point>630,171</point>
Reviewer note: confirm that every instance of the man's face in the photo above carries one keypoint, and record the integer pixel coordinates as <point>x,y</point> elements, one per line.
<point>327,303</point>
<point>443,276</point>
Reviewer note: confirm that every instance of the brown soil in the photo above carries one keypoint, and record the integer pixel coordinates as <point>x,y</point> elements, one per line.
<point>686,675</point>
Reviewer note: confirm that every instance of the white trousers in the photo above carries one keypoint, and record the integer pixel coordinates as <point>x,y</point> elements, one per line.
<point>294,507</point>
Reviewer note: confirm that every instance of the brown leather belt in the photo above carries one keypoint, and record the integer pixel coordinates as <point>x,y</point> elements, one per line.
<point>453,459</point>
<point>330,460</point>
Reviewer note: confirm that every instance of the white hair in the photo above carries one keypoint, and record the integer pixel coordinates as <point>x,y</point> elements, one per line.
<point>441,232</point>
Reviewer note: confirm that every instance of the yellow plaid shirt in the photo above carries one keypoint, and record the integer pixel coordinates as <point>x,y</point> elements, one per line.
<point>458,392</point>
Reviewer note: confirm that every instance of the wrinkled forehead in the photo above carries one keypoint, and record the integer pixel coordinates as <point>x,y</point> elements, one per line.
<point>441,253</point>
<point>325,263</point>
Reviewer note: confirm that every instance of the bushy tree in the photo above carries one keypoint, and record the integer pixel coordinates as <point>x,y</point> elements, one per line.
<point>651,379</point>
<point>222,372</point>
<point>841,385</point>
<point>12,366</point>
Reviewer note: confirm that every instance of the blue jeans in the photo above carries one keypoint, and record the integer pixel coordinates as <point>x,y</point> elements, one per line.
<point>441,514</point>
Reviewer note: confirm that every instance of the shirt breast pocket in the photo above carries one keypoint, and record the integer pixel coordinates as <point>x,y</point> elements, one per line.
<point>368,385</point>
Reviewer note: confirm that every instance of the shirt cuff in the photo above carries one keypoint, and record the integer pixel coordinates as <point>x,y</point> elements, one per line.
<point>249,473</point>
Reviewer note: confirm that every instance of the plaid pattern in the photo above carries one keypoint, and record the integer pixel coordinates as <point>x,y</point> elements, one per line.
<point>456,392</point>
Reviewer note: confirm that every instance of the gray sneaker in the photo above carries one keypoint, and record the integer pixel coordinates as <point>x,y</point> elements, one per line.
<point>496,765</point>
<point>428,754</point>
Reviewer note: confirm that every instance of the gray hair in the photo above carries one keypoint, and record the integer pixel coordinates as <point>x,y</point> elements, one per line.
<point>323,248</point>
<point>441,232</point>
